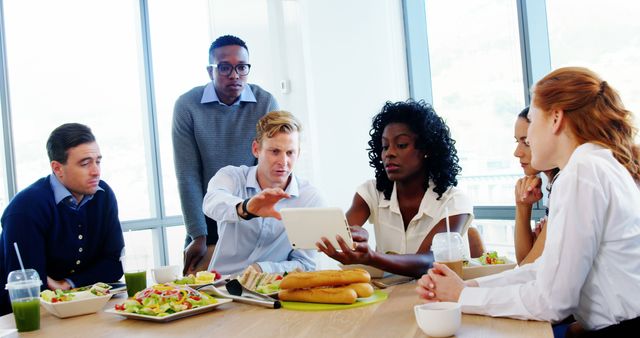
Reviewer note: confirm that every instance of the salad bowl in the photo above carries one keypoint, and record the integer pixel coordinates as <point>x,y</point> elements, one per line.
<point>490,263</point>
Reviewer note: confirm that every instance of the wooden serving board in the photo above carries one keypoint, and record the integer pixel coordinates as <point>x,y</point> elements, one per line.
<point>377,297</point>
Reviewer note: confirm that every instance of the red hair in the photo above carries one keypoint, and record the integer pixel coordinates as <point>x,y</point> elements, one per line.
<point>594,111</point>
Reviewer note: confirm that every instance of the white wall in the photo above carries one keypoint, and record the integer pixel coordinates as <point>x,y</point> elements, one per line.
<point>342,61</point>
<point>354,59</point>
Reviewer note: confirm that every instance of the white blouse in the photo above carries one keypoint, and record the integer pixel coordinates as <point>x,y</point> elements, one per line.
<point>387,220</point>
<point>590,266</point>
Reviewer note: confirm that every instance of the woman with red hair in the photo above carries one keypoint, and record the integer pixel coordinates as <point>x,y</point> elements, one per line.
<point>590,266</point>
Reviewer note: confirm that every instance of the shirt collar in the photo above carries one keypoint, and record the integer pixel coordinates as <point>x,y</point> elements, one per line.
<point>426,207</point>
<point>252,182</point>
<point>61,193</point>
<point>209,95</point>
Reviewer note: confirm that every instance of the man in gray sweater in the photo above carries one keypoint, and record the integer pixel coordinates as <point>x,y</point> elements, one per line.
<point>213,126</point>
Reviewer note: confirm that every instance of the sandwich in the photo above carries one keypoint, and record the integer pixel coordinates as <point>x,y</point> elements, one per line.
<point>262,282</point>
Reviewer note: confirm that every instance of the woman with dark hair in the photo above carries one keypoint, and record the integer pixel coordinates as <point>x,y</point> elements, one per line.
<point>528,244</point>
<point>416,165</point>
<point>590,267</point>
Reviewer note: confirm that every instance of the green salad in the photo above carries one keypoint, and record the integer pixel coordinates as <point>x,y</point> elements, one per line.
<point>491,258</point>
<point>98,289</point>
<point>165,299</point>
<point>269,288</point>
<point>56,296</point>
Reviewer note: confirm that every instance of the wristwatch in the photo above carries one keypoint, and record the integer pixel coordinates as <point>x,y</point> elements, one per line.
<point>244,213</point>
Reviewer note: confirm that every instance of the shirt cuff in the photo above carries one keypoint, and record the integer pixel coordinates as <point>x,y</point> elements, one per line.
<point>73,285</point>
<point>490,280</point>
<point>494,302</point>
<point>266,266</point>
<point>474,300</point>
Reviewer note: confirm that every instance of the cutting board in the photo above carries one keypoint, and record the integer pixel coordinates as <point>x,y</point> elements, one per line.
<point>377,297</point>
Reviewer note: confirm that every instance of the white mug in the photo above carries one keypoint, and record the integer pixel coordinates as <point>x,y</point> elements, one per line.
<point>166,274</point>
<point>438,319</point>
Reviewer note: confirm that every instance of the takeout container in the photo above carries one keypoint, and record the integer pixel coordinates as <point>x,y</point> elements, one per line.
<point>83,303</point>
<point>472,272</point>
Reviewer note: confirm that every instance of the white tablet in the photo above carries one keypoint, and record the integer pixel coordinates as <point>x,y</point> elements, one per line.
<point>305,226</point>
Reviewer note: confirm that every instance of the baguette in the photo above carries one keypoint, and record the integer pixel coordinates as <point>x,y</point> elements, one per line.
<point>340,295</point>
<point>304,280</point>
<point>362,289</point>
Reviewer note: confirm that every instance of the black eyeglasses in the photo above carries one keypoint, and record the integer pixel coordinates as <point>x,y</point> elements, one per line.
<point>225,69</point>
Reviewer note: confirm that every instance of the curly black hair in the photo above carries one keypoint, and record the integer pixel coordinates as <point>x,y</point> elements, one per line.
<point>433,137</point>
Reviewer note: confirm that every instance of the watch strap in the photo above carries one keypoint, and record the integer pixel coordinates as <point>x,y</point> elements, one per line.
<point>245,213</point>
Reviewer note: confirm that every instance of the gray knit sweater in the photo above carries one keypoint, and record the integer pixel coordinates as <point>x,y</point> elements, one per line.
<point>207,137</point>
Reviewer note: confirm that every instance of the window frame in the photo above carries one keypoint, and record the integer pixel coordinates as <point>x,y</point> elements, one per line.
<point>532,22</point>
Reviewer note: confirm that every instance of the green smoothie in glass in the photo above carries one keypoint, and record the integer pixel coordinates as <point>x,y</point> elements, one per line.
<point>136,281</point>
<point>26,311</point>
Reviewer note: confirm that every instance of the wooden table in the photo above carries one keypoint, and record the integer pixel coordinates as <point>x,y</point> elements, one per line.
<point>391,318</point>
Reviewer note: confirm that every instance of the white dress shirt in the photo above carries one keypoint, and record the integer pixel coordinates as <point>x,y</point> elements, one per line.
<point>387,220</point>
<point>590,266</point>
<point>259,240</point>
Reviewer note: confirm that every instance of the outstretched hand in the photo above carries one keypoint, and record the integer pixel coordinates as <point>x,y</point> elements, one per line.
<point>263,204</point>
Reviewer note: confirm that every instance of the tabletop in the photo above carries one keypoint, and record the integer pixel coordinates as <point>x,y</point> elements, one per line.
<point>392,318</point>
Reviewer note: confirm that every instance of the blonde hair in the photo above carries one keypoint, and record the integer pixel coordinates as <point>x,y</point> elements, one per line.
<point>594,111</point>
<point>279,121</point>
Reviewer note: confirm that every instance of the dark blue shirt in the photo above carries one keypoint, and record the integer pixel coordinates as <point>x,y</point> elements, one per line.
<point>82,245</point>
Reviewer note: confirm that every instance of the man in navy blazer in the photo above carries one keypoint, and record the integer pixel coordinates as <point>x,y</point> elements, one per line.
<point>65,224</point>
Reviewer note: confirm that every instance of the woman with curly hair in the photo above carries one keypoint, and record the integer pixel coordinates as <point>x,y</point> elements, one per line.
<point>416,165</point>
<point>590,266</point>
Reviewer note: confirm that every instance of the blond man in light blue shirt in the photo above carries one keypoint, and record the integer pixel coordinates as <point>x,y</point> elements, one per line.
<point>245,201</point>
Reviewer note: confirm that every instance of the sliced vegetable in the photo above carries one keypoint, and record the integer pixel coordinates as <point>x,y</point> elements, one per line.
<point>165,299</point>
<point>491,258</point>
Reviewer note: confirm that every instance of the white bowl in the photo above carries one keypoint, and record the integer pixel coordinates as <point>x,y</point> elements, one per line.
<point>440,319</point>
<point>166,274</point>
<point>83,303</point>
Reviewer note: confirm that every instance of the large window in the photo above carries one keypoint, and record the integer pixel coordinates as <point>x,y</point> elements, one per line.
<point>476,81</point>
<point>180,39</point>
<point>602,37</point>
<point>65,67</point>
<point>4,194</point>
<point>476,68</point>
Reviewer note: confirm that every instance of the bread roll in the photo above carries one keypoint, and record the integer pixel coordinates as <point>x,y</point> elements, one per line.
<point>362,289</point>
<point>340,295</point>
<point>303,280</point>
